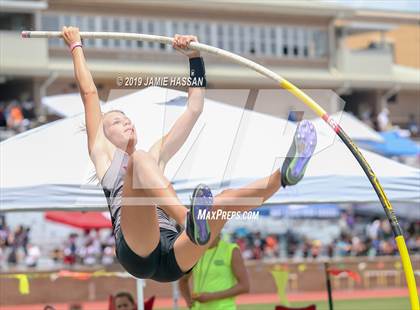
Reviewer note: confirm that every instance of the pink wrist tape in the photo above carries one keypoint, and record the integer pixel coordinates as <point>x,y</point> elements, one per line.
<point>74,45</point>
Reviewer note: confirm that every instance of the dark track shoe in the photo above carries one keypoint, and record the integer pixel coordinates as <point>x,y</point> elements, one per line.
<point>197,227</point>
<point>301,150</point>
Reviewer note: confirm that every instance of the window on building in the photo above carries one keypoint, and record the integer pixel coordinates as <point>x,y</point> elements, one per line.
<point>139,29</point>
<point>207,34</point>
<point>252,40</point>
<point>90,26</point>
<point>273,41</point>
<point>285,41</point>
<point>294,46</point>
<point>162,31</point>
<point>186,28</point>
<point>116,28</point>
<point>220,36</point>
<point>305,39</point>
<point>150,30</point>
<point>67,20</point>
<point>126,23</point>
<point>196,29</point>
<point>16,21</point>
<point>259,40</point>
<point>320,43</point>
<point>105,27</point>
<point>51,23</point>
<point>241,38</point>
<point>79,21</point>
<point>230,38</point>
<point>263,40</point>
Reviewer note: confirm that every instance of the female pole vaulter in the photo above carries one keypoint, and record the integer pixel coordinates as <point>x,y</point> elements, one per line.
<point>143,204</point>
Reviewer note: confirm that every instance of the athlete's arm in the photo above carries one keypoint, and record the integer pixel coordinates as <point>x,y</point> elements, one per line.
<point>87,88</point>
<point>178,134</point>
<point>93,116</point>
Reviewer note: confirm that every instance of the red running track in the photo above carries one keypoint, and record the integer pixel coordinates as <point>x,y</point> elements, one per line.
<point>245,299</point>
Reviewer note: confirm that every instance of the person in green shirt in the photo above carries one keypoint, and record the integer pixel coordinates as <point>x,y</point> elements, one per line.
<point>218,277</point>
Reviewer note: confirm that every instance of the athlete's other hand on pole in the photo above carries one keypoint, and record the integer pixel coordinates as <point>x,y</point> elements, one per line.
<point>71,35</point>
<point>181,43</point>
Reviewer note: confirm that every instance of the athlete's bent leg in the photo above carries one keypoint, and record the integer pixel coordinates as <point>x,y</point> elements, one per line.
<point>139,223</point>
<point>159,191</point>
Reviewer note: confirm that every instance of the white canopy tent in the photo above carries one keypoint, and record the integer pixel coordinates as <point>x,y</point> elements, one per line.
<point>48,168</point>
<point>65,105</point>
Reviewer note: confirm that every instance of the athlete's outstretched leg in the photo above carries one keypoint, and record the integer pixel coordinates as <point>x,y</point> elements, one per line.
<point>252,195</point>
<point>291,172</point>
<point>255,194</point>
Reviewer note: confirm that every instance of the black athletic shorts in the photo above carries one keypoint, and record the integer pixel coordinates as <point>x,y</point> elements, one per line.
<point>160,265</point>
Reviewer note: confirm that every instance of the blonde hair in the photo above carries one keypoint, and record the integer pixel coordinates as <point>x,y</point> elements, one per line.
<point>82,126</point>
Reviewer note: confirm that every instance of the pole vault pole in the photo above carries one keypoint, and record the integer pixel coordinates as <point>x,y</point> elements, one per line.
<point>399,238</point>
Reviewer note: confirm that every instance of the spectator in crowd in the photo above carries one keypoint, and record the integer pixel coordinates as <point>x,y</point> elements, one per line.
<point>413,243</point>
<point>3,121</point>
<point>57,256</point>
<point>366,117</point>
<point>248,252</point>
<point>330,249</point>
<point>4,241</point>
<point>384,123</point>
<point>385,231</point>
<point>316,248</point>
<point>271,249</point>
<point>28,110</point>
<point>124,301</point>
<point>32,256</point>
<point>107,256</point>
<point>25,239</point>
<point>13,243</point>
<point>241,242</point>
<point>343,246</point>
<point>346,222</point>
<point>358,237</point>
<point>413,236</point>
<point>358,246</point>
<point>413,127</point>
<point>70,250</point>
<point>373,229</point>
<point>292,243</point>
<point>258,246</point>
<point>90,251</point>
<point>15,117</point>
<point>108,249</point>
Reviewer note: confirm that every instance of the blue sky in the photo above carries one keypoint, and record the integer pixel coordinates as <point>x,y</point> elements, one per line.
<point>400,5</point>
